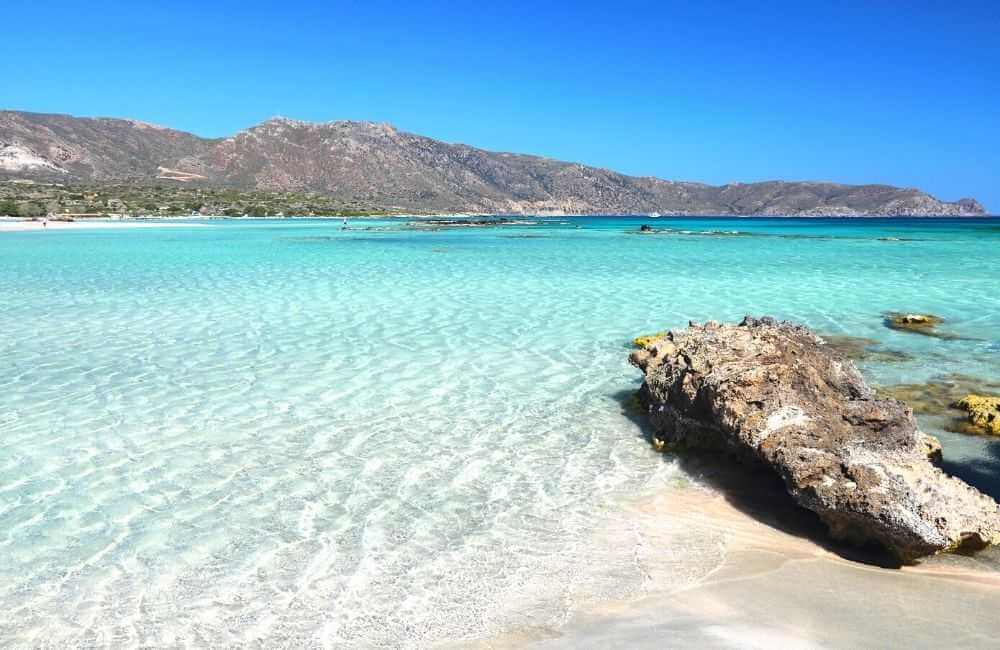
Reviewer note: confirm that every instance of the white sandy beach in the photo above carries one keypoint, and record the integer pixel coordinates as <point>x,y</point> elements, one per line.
<point>15,225</point>
<point>772,588</point>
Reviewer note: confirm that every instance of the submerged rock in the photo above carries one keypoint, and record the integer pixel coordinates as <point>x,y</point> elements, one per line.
<point>925,324</point>
<point>913,321</point>
<point>857,348</point>
<point>852,347</point>
<point>984,412</point>
<point>934,397</point>
<point>453,222</point>
<point>774,393</point>
<point>940,397</point>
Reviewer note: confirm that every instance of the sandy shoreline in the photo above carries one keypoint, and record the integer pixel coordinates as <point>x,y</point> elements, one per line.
<point>770,584</point>
<point>8,224</point>
<point>13,225</point>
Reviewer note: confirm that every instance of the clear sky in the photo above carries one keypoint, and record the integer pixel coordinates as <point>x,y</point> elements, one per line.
<point>900,92</point>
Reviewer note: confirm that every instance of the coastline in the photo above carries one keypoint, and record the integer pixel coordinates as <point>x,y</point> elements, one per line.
<point>771,587</point>
<point>90,224</point>
<point>14,224</point>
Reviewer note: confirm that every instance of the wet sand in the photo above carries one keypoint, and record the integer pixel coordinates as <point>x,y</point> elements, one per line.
<point>775,582</point>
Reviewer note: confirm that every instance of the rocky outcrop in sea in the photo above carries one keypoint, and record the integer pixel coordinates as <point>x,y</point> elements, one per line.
<point>776,394</point>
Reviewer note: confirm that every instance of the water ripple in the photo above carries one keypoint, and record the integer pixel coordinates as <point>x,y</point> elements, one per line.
<point>225,436</point>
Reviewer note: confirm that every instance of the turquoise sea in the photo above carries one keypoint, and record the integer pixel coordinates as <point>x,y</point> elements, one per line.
<point>289,433</point>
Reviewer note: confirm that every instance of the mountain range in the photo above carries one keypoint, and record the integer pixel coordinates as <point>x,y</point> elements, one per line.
<point>381,165</point>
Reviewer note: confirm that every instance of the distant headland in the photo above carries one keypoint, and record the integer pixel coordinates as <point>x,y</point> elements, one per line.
<point>346,167</point>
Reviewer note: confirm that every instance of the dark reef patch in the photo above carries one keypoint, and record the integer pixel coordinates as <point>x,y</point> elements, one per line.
<point>858,348</point>
<point>940,397</point>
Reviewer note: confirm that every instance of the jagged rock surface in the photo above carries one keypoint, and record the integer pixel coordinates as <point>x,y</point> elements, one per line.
<point>775,393</point>
<point>377,164</point>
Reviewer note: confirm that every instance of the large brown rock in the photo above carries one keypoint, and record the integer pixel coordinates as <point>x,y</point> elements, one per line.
<point>776,393</point>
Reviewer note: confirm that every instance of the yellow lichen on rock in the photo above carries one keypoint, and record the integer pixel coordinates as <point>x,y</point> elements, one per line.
<point>983,410</point>
<point>643,342</point>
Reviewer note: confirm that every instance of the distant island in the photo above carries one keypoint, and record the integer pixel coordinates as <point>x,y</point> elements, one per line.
<point>93,166</point>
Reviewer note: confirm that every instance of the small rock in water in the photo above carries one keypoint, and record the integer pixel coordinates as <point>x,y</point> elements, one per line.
<point>773,393</point>
<point>918,320</point>
<point>925,324</point>
<point>983,410</point>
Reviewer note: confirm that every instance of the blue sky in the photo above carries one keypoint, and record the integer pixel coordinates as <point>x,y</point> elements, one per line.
<point>906,93</point>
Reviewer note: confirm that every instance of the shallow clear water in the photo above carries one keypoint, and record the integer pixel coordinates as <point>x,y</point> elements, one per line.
<point>288,432</point>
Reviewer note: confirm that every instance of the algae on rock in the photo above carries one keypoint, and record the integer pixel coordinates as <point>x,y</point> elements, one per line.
<point>983,410</point>
<point>644,341</point>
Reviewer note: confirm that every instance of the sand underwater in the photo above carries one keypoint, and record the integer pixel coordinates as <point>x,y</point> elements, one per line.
<point>286,433</point>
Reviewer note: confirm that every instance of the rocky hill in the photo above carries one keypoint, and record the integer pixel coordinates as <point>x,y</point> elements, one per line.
<point>376,164</point>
